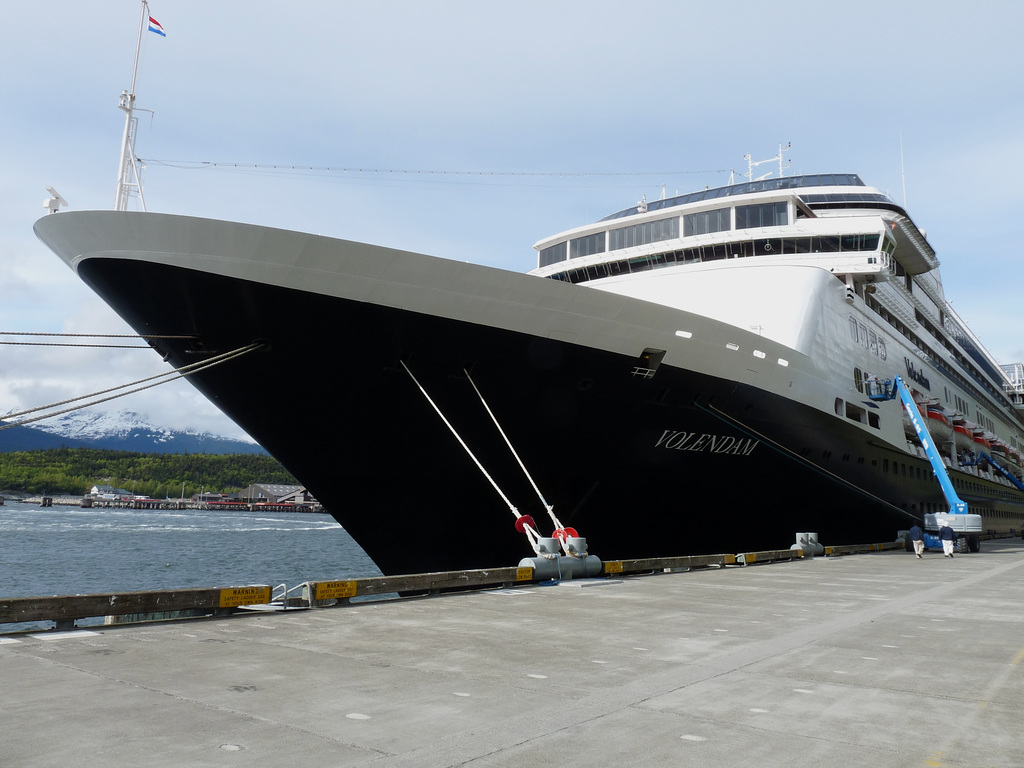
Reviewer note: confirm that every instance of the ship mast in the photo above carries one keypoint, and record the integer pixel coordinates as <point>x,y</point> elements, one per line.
<point>751,165</point>
<point>129,180</point>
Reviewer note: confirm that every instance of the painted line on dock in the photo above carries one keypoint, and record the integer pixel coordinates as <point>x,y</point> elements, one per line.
<point>72,634</point>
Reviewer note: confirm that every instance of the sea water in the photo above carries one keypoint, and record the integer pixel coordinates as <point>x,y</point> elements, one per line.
<point>65,550</point>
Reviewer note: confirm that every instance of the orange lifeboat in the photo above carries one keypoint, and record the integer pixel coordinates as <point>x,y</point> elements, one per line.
<point>964,437</point>
<point>939,425</point>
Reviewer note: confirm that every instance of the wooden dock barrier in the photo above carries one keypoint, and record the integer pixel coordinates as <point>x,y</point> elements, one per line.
<point>65,610</point>
<point>194,603</point>
<point>666,564</point>
<point>323,593</point>
<point>858,549</point>
<point>769,556</point>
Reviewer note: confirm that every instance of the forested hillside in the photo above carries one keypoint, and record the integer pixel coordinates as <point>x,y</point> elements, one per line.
<point>73,471</point>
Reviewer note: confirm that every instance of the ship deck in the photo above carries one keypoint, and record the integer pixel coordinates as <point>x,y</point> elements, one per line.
<point>870,660</point>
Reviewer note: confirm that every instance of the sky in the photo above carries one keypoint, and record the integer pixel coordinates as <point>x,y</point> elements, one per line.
<point>472,129</point>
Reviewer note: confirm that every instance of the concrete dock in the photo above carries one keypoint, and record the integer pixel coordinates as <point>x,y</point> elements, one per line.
<point>869,660</point>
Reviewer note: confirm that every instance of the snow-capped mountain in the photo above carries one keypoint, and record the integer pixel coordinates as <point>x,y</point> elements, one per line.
<point>122,431</point>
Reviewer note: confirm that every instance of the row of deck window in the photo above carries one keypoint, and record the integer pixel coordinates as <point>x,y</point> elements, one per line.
<point>762,247</point>
<point>701,223</point>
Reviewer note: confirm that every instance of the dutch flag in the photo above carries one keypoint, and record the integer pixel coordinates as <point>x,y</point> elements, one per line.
<point>154,26</point>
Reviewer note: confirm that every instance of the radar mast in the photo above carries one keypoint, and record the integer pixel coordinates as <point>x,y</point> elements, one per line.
<point>751,165</point>
<point>129,180</point>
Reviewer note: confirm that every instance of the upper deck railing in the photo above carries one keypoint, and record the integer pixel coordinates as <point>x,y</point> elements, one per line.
<point>747,188</point>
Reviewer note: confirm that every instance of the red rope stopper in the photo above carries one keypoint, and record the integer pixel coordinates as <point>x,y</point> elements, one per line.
<point>565,533</point>
<point>522,522</point>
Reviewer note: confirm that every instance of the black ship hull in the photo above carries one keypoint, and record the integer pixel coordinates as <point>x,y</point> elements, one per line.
<point>679,463</point>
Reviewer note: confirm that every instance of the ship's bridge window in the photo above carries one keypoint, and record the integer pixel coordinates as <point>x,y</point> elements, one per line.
<point>587,245</point>
<point>859,242</point>
<point>830,244</point>
<point>706,222</point>
<point>763,215</point>
<point>552,255</point>
<point>642,234</point>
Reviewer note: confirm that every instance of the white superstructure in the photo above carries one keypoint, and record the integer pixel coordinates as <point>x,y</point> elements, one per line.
<point>826,266</point>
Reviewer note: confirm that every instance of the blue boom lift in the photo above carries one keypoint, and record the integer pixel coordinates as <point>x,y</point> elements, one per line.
<point>966,525</point>
<point>998,467</point>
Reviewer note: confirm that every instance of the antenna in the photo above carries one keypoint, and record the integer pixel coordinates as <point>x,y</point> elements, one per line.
<point>903,175</point>
<point>128,178</point>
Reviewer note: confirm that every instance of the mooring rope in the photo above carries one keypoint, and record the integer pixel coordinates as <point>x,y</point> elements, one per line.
<point>82,336</point>
<point>526,526</point>
<point>550,509</point>
<point>167,377</point>
<point>65,344</point>
<point>99,335</point>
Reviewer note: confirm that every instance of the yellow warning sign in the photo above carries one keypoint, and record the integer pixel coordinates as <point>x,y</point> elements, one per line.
<point>334,590</point>
<point>232,597</point>
<point>524,574</point>
<point>613,566</point>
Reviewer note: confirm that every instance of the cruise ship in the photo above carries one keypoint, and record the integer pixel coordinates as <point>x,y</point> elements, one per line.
<point>686,375</point>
